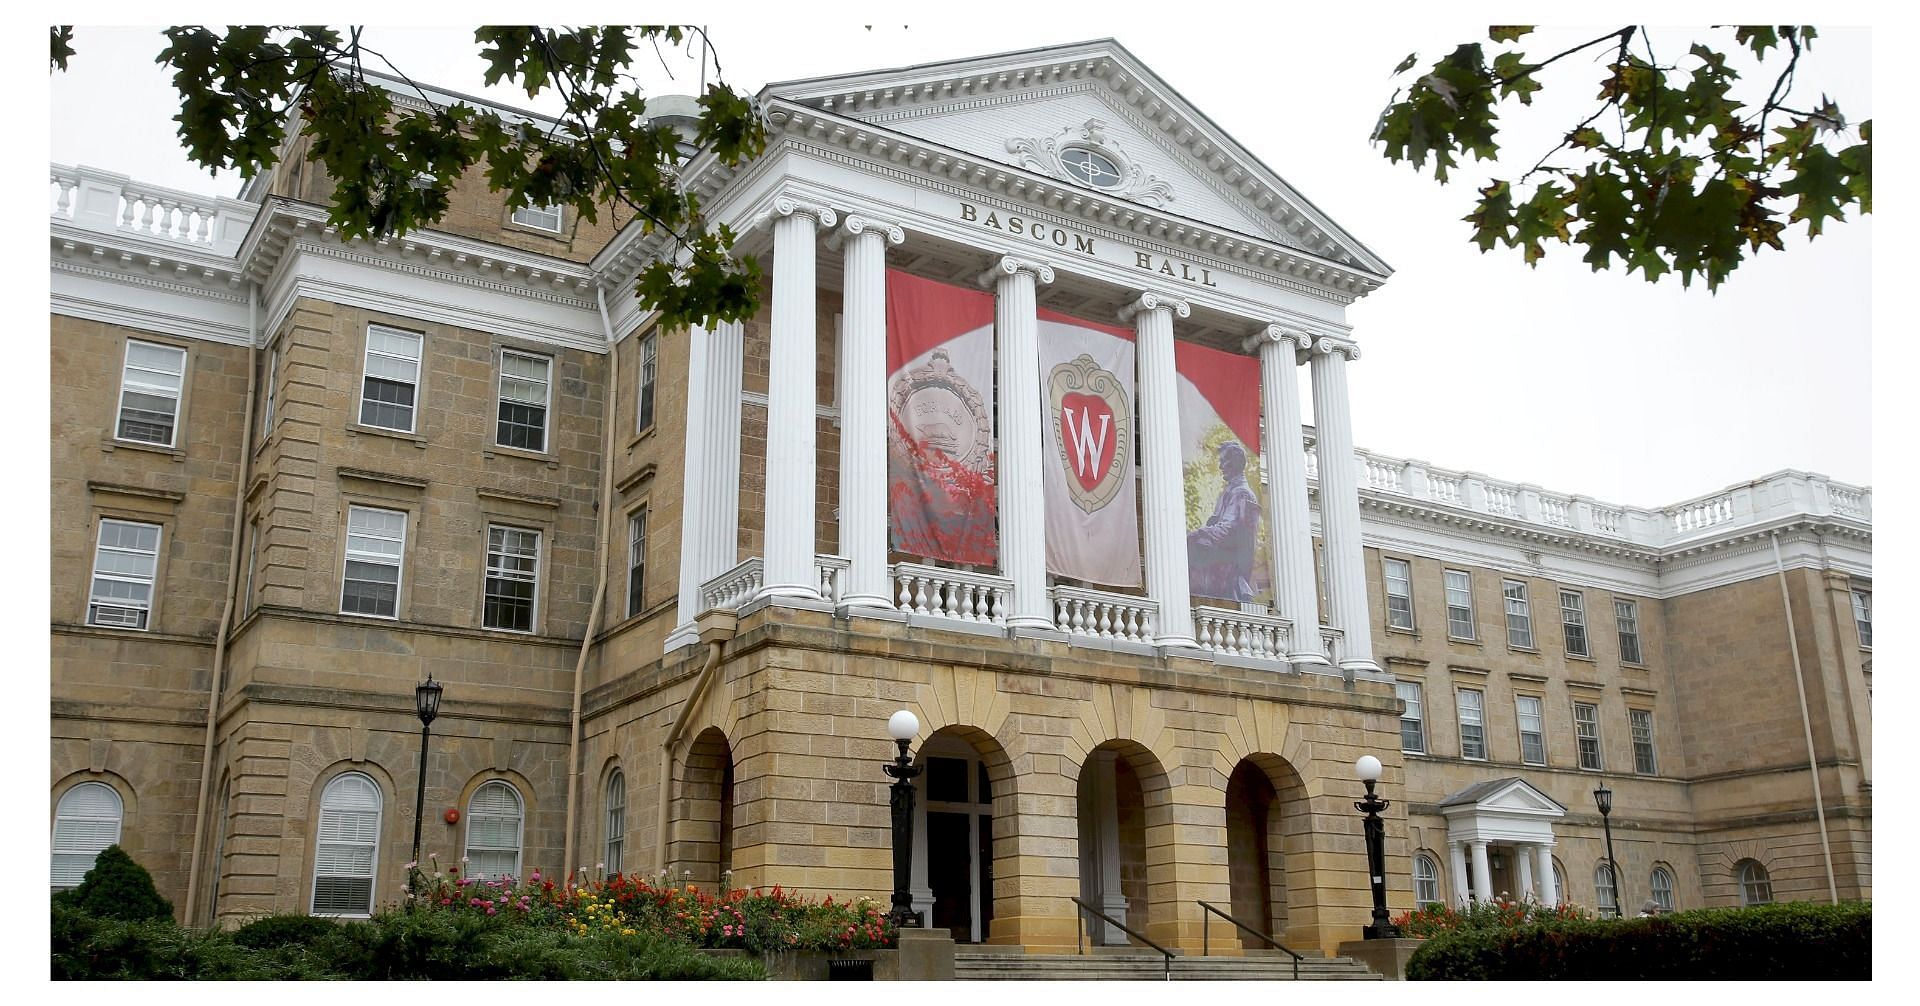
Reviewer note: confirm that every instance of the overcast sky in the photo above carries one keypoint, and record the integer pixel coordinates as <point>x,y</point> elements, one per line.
<point>1582,382</point>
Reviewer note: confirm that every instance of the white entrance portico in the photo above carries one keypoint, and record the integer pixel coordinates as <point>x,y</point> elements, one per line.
<point>1500,841</point>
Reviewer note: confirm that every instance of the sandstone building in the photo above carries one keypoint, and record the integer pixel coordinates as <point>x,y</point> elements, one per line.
<point>294,476</point>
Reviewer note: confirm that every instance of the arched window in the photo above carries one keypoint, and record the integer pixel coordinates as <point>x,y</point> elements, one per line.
<point>1560,887</point>
<point>493,832</point>
<point>616,819</point>
<point>86,821</point>
<point>348,847</point>
<point>1426,880</point>
<point>1662,886</point>
<point>1606,892</point>
<point>1756,888</point>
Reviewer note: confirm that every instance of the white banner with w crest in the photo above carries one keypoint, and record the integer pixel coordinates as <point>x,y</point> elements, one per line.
<point>1086,387</point>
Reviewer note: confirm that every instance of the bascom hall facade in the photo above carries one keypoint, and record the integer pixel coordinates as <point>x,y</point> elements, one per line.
<point>1017,442</point>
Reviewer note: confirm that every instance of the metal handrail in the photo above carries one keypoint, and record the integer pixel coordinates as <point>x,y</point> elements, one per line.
<point>1204,946</point>
<point>1081,918</point>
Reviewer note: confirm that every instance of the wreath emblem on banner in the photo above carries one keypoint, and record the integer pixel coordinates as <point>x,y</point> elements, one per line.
<point>1092,430</point>
<point>941,411</point>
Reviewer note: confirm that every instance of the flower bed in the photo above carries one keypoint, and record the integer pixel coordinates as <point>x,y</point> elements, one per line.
<point>1436,919</point>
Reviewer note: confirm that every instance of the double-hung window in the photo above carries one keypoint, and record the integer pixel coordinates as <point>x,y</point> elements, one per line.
<point>123,569</point>
<point>85,822</point>
<point>1626,617</point>
<point>1573,622</point>
<point>649,368</point>
<point>1459,604</point>
<point>1399,579</point>
<point>1863,617</point>
<point>1426,880</point>
<point>266,378</point>
<point>1661,883</point>
<point>525,387</point>
<point>150,393</point>
<point>1473,734</point>
<point>494,819</point>
<point>347,847</point>
<point>616,820</point>
<point>392,379</point>
<point>1640,725</point>
<point>1586,733</point>
<point>1533,735</point>
<point>1519,618</point>
<point>1413,725</point>
<point>376,541</point>
<point>513,578</point>
<point>541,218</point>
<point>636,563</point>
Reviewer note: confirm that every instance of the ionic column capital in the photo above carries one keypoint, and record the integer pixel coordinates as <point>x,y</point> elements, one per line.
<point>1009,265</point>
<point>1279,334</point>
<point>860,223</point>
<point>1327,345</point>
<point>787,205</point>
<point>1153,300</point>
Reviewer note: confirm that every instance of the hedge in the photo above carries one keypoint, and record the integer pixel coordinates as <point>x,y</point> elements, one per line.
<point>1795,940</point>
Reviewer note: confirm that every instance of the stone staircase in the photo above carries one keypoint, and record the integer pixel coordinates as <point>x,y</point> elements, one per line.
<point>982,964</point>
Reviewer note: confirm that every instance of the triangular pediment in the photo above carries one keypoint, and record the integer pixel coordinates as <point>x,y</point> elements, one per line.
<point>1088,116</point>
<point>1510,795</point>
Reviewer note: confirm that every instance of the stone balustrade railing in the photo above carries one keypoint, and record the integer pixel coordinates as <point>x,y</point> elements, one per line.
<point>1241,633</point>
<point>958,594</point>
<point>832,571</point>
<point>116,204</point>
<point>734,587</point>
<point>1082,612</point>
<point>1782,494</point>
<point>1334,642</point>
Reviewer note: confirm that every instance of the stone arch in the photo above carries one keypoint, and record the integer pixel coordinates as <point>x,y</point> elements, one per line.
<point>703,817</point>
<point>1127,840</point>
<point>1270,843</point>
<point>966,831</point>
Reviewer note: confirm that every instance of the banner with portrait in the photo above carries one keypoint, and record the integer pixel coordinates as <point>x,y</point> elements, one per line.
<point>1087,469</point>
<point>940,450</point>
<point>1220,453</point>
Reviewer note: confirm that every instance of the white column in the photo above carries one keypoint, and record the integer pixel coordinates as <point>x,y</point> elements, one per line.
<point>863,412</point>
<point>710,482</point>
<point>1457,864</point>
<point>1106,819</point>
<point>790,403</point>
<point>1023,531</point>
<point>1482,873</point>
<point>1289,519</point>
<point>920,889</point>
<point>1163,493</point>
<point>1523,856</point>
<point>1549,884</point>
<point>1340,504</point>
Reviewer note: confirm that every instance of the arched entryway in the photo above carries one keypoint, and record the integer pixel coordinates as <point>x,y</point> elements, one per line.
<point>1122,805</point>
<point>1268,843</point>
<point>703,845</point>
<point>964,789</point>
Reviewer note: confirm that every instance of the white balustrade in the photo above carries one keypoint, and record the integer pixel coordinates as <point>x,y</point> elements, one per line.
<point>64,181</point>
<point>1444,489</point>
<point>1606,520</point>
<point>1313,463</point>
<point>1502,500</point>
<point>951,593</point>
<point>104,201</point>
<point>1084,612</point>
<point>1701,514</point>
<point>1556,511</point>
<point>1848,502</point>
<point>734,587</point>
<point>1241,633</point>
<point>832,572</point>
<point>1382,475</point>
<point>1335,644</point>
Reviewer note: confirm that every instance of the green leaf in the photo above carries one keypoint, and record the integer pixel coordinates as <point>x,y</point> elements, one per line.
<point>1759,37</point>
<point>1820,182</point>
<point>1508,32</point>
<point>62,46</point>
<point>1405,64</point>
<point>1516,76</point>
<point>1492,218</point>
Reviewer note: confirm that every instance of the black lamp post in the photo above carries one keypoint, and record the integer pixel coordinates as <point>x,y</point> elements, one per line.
<point>1368,769</point>
<point>903,726</point>
<point>1603,798</point>
<point>426,702</point>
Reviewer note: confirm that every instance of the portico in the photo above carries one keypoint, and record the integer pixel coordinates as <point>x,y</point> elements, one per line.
<point>1508,821</point>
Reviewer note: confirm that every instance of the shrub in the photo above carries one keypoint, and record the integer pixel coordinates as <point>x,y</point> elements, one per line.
<point>283,930</point>
<point>1435,918</point>
<point>1794,940</point>
<point>117,888</point>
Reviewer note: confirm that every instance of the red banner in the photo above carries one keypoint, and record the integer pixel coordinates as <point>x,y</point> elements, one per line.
<point>940,449</point>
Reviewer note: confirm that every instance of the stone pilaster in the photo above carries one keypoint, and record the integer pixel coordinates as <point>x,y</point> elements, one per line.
<point>1164,492</point>
<point>863,412</point>
<point>791,402</point>
<point>1340,504</point>
<point>1289,517</point>
<point>1023,541</point>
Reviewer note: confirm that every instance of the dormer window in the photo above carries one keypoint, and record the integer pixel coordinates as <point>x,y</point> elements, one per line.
<point>1090,166</point>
